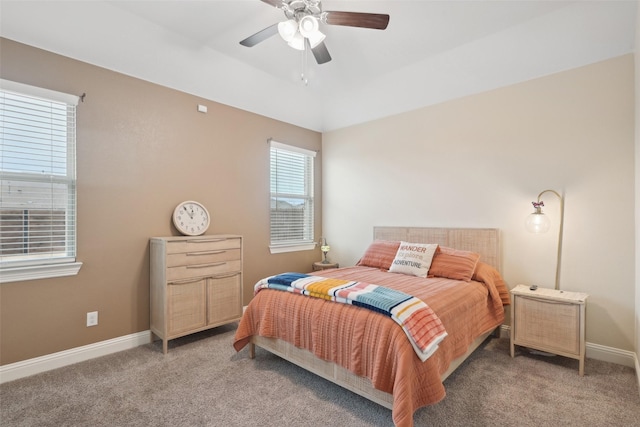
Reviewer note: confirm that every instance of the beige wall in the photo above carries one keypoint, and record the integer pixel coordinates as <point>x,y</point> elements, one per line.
<point>479,161</point>
<point>142,149</point>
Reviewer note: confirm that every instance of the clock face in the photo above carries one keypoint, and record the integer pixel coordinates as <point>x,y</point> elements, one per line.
<point>191,218</point>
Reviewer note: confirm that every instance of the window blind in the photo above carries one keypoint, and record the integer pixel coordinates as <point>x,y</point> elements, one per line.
<point>37,175</point>
<point>292,202</point>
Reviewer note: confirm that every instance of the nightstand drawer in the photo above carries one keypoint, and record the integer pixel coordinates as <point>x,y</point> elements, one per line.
<point>551,324</point>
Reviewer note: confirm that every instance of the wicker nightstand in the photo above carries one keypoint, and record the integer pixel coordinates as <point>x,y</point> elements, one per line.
<point>317,266</point>
<point>549,320</point>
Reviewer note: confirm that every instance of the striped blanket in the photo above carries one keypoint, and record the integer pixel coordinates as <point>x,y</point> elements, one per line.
<point>421,325</point>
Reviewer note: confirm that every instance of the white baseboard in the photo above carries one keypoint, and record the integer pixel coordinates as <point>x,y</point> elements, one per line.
<point>638,372</point>
<point>598,352</point>
<point>613,355</point>
<point>48,362</point>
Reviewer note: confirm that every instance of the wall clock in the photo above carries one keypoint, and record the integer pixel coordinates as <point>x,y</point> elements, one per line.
<point>191,218</point>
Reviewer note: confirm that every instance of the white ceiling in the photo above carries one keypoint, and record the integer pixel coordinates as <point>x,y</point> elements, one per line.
<point>432,51</point>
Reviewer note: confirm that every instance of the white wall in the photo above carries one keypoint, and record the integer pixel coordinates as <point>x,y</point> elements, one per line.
<point>479,161</point>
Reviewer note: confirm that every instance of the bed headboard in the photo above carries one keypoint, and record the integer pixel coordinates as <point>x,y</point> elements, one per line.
<point>485,241</point>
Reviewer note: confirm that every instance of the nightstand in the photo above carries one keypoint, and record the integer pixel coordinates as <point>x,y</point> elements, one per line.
<point>317,266</point>
<point>549,320</point>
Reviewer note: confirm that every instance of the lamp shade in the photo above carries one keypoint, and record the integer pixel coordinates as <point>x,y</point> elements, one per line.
<point>288,29</point>
<point>297,41</point>
<point>537,223</point>
<point>315,39</point>
<point>309,29</point>
<point>308,26</point>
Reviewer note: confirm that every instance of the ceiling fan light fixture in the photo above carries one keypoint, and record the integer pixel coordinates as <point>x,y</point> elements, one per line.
<point>288,29</point>
<point>308,26</point>
<point>316,38</point>
<point>297,41</point>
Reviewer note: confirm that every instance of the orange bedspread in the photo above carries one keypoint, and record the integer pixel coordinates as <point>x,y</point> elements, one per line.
<point>371,344</point>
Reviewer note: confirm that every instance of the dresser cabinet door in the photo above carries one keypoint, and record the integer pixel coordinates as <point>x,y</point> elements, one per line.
<point>186,305</point>
<point>224,296</point>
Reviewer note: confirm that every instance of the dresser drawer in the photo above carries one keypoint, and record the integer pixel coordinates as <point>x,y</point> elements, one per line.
<point>200,270</point>
<point>202,245</point>
<point>202,257</point>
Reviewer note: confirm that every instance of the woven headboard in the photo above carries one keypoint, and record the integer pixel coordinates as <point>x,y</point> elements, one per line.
<point>485,241</point>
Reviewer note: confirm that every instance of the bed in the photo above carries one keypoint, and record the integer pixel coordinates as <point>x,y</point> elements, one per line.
<point>365,351</point>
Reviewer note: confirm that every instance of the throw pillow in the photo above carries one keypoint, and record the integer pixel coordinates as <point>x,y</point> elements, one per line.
<point>413,259</point>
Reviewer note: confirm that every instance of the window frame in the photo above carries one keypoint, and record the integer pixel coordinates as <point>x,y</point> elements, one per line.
<point>32,267</point>
<point>303,244</point>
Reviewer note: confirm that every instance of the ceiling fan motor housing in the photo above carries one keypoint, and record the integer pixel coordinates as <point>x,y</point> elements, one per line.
<point>298,9</point>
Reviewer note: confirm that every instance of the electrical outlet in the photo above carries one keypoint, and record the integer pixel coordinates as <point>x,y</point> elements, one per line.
<point>92,318</point>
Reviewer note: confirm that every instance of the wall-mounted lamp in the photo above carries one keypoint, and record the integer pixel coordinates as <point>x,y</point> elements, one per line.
<point>324,248</point>
<point>537,222</point>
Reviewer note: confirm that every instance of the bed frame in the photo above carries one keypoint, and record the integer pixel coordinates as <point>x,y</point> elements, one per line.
<point>485,241</point>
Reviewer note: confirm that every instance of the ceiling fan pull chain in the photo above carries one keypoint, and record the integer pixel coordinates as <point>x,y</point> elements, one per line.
<point>303,74</point>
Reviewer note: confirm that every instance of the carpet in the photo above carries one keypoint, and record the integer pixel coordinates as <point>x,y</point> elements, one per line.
<point>202,381</point>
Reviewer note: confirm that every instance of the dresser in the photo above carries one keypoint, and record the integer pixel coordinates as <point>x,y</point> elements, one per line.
<point>549,320</point>
<point>195,284</point>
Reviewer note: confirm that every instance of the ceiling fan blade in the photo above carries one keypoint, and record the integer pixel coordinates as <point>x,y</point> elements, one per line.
<point>320,52</point>
<point>260,36</point>
<point>275,3</point>
<point>356,19</point>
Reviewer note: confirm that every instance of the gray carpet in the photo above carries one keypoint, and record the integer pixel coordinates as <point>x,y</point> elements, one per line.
<point>202,381</point>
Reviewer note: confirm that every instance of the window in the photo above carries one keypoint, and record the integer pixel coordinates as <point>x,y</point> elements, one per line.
<point>291,198</point>
<point>37,183</point>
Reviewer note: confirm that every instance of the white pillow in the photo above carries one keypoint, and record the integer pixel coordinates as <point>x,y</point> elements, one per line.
<point>413,258</point>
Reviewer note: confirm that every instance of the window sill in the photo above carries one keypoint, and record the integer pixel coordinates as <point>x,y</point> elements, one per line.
<point>292,248</point>
<point>19,274</point>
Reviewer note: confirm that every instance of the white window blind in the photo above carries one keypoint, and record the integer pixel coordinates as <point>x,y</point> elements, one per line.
<point>292,203</point>
<point>37,176</point>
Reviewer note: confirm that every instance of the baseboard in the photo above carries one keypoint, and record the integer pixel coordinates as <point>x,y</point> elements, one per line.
<point>613,355</point>
<point>48,362</point>
<point>37,365</point>
<point>638,372</point>
<point>598,352</point>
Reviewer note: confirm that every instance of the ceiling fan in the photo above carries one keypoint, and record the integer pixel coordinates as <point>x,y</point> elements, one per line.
<point>301,29</point>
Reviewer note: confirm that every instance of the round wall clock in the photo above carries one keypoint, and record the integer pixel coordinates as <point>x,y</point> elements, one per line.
<point>191,218</point>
